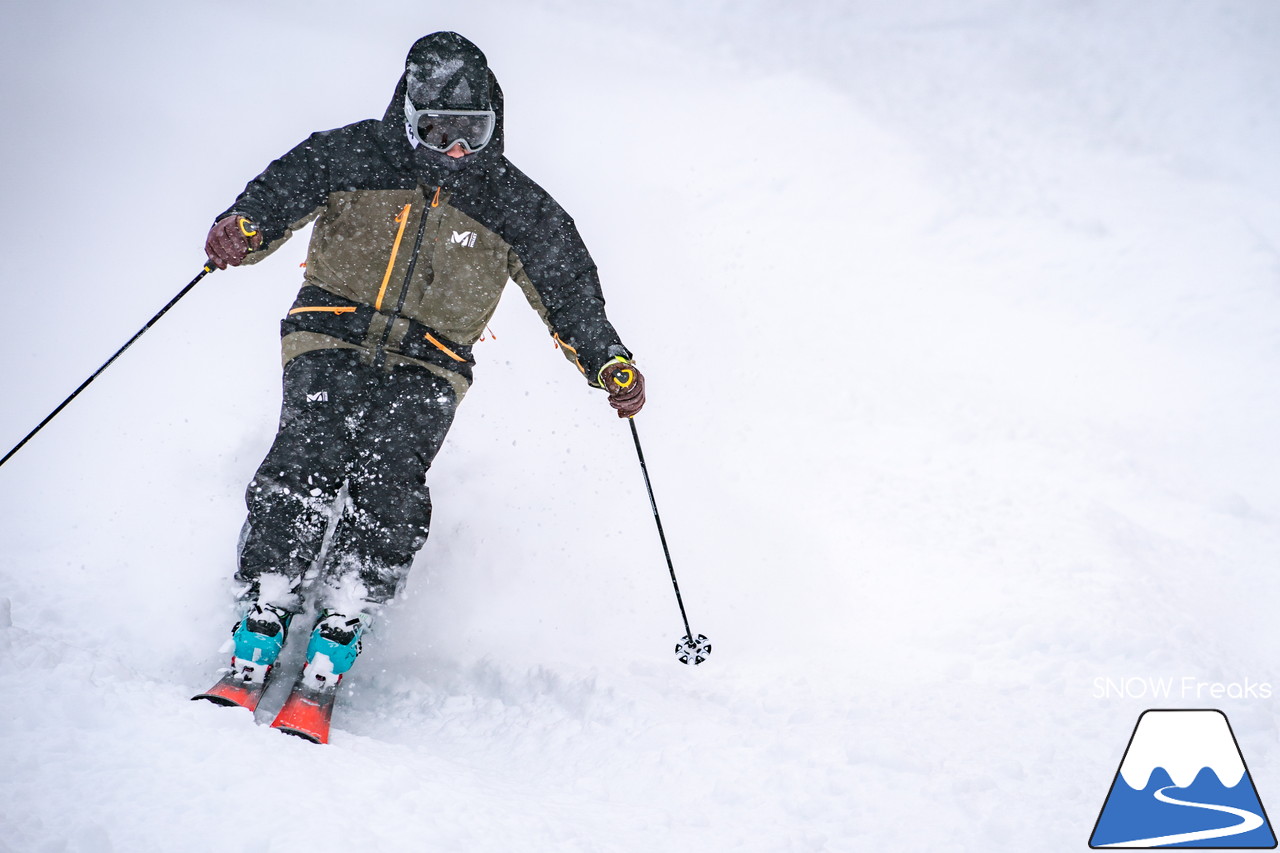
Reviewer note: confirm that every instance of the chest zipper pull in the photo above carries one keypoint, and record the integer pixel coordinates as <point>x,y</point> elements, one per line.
<point>435,202</point>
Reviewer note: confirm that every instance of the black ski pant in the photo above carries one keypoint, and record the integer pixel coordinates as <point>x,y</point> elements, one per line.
<point>374,431</point>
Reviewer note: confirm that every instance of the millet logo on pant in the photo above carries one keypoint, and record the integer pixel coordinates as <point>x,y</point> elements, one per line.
<point>318,397</point>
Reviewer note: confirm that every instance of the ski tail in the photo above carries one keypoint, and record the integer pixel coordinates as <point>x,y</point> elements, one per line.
<point>233,690</point>
<point>306,713</point>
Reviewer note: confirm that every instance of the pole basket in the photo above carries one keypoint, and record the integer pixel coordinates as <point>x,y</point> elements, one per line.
<point>693,652</point>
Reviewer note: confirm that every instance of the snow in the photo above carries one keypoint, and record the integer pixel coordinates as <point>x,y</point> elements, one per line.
<point>960,323</point>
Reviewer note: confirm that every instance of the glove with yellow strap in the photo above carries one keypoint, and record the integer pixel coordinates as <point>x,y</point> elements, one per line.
<point>230,241</point>
<point>625,385</point>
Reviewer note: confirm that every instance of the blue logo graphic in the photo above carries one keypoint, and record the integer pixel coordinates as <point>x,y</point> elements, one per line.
<point>1183,783</point>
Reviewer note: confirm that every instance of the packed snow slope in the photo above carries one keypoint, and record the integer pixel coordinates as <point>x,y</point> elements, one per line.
<point>961,322</point>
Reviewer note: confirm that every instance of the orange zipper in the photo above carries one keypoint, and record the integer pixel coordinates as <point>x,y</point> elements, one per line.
<point>403,219</point>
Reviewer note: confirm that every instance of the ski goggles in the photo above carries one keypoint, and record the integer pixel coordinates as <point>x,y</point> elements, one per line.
<point>440,130</point>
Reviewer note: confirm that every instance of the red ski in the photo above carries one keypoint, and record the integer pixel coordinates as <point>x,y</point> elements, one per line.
<point>232,689</point>
<point>307,711</point>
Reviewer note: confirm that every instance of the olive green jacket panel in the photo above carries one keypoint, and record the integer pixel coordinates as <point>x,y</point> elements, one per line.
<point>363,243</point>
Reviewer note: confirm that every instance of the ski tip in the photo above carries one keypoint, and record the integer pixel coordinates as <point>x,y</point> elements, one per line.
<point>217,700</point>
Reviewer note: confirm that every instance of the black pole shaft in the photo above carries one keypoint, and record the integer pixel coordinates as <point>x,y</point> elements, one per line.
<point>665,550</point>
<point>174,301</point>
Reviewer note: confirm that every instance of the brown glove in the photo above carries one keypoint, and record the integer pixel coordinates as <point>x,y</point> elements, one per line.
<point>625,385</point>
<point>230,240</point>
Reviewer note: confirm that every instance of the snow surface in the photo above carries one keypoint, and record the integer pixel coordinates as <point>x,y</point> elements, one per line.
<point>961,322</point>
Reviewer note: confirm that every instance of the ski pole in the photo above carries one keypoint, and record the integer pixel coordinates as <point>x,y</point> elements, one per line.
<point>208,268</point>
<point>689,650</point>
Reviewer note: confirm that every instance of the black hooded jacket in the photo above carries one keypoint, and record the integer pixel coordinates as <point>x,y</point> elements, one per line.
<point>411,249</point>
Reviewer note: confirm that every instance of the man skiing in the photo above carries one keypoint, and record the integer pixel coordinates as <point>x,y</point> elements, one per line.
<point>420,220</point>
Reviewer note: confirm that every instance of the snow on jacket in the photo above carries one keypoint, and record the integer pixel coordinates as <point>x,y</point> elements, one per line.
<point>411,250</point>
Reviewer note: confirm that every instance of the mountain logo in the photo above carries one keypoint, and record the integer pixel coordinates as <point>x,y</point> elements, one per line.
<point>318,397</point>
<point>463,238</point>
<point>1183,783</point>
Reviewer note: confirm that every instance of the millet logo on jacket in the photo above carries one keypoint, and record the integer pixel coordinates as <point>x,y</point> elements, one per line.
<point>465,238</point>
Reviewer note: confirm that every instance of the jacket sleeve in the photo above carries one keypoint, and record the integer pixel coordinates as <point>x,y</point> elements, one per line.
<point>288,193</point>
<point>554,269</point>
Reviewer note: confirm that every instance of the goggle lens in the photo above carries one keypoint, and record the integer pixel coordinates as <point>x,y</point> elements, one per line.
<point>440,130</point>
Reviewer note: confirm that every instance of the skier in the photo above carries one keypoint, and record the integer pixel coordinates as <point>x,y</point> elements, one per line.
<point>420,220</point>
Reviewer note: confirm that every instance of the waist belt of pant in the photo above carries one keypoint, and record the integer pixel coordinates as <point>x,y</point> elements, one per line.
<point>318,310</point>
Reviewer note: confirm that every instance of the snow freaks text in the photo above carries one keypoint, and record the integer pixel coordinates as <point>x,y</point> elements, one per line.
<point>1185,687</point>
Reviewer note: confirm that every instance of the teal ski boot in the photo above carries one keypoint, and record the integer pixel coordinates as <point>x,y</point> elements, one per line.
<point>334,645</point>
<point>259,636</point>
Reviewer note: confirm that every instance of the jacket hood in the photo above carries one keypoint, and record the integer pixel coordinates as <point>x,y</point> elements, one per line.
<point>449,72</point>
